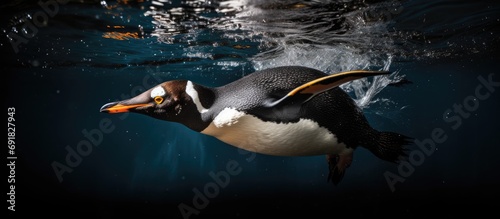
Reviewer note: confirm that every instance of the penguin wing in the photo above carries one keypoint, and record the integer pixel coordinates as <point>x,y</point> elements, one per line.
<point>305,92</point>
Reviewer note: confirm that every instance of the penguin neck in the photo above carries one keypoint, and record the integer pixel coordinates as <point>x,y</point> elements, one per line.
<point>202,99</point>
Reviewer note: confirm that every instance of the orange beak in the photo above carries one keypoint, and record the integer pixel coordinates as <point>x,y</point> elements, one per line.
<point>116,107</point>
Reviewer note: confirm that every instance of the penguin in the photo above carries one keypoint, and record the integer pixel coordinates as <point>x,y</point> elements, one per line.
<point>281,111</point>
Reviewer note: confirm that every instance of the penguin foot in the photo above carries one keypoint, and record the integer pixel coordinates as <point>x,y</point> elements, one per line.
<point>337,164</point>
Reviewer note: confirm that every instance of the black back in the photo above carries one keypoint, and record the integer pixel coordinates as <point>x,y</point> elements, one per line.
<point>333,109</point>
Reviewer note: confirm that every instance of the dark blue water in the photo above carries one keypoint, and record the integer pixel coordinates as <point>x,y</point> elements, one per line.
<point>63,60</point>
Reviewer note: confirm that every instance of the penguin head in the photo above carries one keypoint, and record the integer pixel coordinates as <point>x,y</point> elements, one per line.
<point>166,101</point>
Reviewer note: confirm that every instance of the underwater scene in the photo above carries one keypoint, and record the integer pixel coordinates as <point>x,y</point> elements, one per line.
<point>67,62</point>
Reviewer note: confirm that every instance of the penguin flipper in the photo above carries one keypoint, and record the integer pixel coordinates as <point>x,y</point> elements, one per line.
<point>337,164</point>
<point>306,91</point>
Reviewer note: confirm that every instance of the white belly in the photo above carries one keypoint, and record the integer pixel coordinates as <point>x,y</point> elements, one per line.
<point>302,138</point>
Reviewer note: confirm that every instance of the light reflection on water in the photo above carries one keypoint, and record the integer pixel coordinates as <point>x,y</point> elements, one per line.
<point>327,35</point>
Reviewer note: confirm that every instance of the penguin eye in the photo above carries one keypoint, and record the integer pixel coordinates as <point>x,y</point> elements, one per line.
<point>158,99</point>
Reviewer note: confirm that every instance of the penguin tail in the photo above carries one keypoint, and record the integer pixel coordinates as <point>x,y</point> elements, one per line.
<point>390,146</point>
<point>387,146</point>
